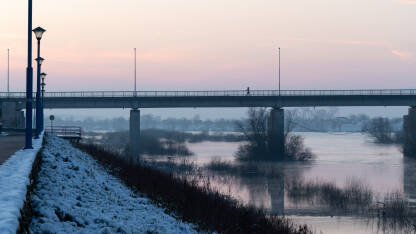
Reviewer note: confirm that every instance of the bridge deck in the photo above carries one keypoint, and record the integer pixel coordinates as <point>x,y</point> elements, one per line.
<point>230,98</point>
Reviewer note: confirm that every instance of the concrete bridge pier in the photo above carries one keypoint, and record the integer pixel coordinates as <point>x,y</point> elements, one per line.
<point>134,134</point>
<point>409,131</point>
<point>11,116</point>
<point>276,129</point>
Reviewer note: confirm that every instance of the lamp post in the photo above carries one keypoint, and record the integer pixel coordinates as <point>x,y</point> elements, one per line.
<point>39,118</point>
<point>8,71</point>
<point>135,73</point>
<point>42,76</point>
<point>279,71</point>
<point>29,82</point>
<point>38,33</point>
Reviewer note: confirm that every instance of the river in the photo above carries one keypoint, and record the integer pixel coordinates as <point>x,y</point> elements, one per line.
<point>339,158</point>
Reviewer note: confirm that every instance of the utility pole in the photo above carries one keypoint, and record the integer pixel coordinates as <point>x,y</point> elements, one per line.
<point>279,71</point>
<point>135,73</point>
<point>8,71</point>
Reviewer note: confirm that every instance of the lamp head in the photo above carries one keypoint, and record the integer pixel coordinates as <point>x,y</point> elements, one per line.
<point>40,60</point>
<point>43,75</point>
<point>38,32</point>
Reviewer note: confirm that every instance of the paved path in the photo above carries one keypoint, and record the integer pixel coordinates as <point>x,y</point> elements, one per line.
<point>10,144</point>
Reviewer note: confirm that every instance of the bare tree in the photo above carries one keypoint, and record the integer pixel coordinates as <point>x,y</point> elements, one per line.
<point>255,131</point>
<point>380,129</point>
<point>258,138</point>
<point>295,149</point>
<point>290,121</point>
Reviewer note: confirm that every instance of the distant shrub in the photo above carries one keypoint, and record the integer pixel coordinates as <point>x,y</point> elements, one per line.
<point>151,143</point>
<point>382,131</point>
<point>295,149</point>
<point>159,141</point>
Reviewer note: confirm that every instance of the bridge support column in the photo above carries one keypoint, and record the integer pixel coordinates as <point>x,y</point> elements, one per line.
<point>134,134</point>
<point>276,129</point>
<point>409,132</point>
<point>10,116</point>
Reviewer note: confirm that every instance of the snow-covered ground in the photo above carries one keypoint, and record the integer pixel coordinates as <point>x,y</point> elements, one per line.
<point>76,195</point>
<point>14,179</point>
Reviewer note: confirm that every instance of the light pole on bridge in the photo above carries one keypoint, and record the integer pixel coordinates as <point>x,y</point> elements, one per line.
<point>135,72</point>
<point>38,33</point>
<point>8,71</point>
<point>279,71</point>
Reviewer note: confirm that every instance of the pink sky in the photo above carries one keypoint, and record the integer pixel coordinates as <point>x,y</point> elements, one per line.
<point>217,44</point>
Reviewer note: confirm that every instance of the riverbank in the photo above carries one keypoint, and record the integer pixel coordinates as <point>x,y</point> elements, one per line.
<point>193,201</point>
<point>76,194</point>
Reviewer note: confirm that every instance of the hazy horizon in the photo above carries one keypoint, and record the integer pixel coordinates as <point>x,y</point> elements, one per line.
<point>214,113</point>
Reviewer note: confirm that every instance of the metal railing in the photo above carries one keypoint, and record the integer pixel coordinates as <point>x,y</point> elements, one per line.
<point>64,131</point>
<point>221,93</point>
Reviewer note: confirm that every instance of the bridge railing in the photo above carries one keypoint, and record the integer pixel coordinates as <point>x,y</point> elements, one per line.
<point>223,93</point>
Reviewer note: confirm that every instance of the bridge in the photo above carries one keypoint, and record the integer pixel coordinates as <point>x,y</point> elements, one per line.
<point>229,98</point>
<point>13,102</point>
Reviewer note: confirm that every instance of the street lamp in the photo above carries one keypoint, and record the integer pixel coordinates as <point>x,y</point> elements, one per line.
<point>39,115</point>
<point>38,34</point>
<point>40,60</point>
<point>42,76</point>
<point>29,80</point>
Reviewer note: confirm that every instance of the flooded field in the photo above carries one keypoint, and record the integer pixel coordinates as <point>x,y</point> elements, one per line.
<point>344,163</point>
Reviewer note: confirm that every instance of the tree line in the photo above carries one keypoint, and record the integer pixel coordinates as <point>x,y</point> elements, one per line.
<point>305,119</point>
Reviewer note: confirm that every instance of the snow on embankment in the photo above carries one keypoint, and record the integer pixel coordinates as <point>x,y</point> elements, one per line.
<point>76,194</point>
<point>14,179</point>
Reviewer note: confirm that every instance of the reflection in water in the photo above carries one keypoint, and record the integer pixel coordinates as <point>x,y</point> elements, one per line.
<point>275,187</point>
<point>409,178</point>
<point>339,158</point>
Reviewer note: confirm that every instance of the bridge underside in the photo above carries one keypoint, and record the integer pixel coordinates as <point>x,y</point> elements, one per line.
<point>222,101</point>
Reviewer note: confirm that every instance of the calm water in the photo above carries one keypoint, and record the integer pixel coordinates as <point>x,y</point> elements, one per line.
<point>338,158</point>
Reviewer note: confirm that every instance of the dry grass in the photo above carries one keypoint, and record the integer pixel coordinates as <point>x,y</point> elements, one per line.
<point>392,213</point>
<point>355,194</point>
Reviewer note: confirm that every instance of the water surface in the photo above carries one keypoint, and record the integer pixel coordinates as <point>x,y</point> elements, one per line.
<point>339,157</point>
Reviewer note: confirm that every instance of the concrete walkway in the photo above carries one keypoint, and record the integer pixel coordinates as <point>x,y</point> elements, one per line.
<point>10,144</point>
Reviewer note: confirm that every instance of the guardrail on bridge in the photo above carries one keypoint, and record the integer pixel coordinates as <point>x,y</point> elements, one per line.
<point>223,93</point>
